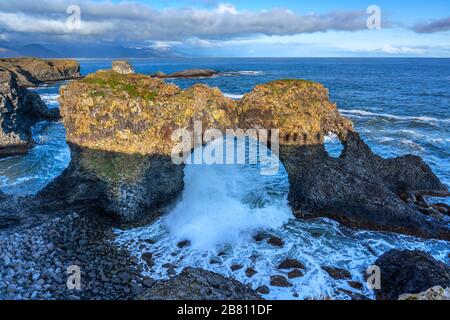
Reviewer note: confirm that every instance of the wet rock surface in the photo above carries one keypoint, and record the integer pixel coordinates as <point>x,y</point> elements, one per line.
<point>337,273</point>
<point>409,272</point>
<point>291,264</point>
<point>32,72</point>
<point>279,281</point>
<point>20,109</point>
<point>199,284</point>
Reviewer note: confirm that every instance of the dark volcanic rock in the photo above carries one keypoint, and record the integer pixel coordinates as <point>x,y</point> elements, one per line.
<point>199,284</point>
<point>296,273</point>
<point>354,295</point>
<point>279,281</point>
<point>250,272</point>
<point>191,73</point>
<point>148,258</point>
<point>236,267</point>
<point>20,109</point>
<point>275,241</point>
<point>33,71</point>
<point>291,264</point>
<point>355,284</point>
<point>263,290</point>
<point>412,272</point>
<point>184,243</point>
<point>337,273</point>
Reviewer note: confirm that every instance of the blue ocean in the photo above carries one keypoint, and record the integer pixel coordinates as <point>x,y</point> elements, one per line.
<point>399,106</point>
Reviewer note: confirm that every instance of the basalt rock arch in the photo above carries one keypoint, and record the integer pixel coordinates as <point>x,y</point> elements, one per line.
<point>119,128</point>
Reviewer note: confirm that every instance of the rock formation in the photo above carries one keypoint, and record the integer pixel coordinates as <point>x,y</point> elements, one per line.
<point>435,293</point>
<point>32,72</point>
<point>122,67</point>
<point>409,272</point>
<point>20,109</point>
<point>199,284</point>
<point>119,128</point>
<point>359,189</point>
<point>191,73</point>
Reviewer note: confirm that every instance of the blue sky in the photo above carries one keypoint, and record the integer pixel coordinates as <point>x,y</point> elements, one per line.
<point>238,28</point>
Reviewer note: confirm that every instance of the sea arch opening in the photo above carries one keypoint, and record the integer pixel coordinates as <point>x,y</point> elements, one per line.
<point>225,203</point>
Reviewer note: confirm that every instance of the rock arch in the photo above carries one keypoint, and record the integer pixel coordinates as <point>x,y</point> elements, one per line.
<point>119,129</point>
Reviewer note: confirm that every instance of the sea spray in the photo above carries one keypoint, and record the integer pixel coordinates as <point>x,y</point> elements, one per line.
<point>225,204</point>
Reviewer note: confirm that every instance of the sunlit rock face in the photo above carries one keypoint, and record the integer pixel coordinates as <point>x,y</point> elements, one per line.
<point>120,129</point>
<point>122,67</point>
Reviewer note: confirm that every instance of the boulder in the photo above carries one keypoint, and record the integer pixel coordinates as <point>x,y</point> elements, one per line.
<point>435,293</point>
<point>199,284</point>
<point>32,72</point>
<point>191,73</point>
<point>122,67</point>
<point>409,272</point>
<point>279,281</point>
<point>337,273</point>
<point>291,264</point>
<point>296,273</point>
<point>20,109</point>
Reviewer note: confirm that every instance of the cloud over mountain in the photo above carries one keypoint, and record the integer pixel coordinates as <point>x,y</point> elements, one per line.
<point>125,21</point>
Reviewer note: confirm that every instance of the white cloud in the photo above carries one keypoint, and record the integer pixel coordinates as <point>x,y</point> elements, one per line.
<point>226,8</point>
<point>399,50</point>
<point>128,21</point>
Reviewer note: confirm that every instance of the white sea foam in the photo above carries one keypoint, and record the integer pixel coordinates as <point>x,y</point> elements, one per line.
<point>391,116</point>
<point>241,73</point>
<point>233,96</point>
<point>51,100</point>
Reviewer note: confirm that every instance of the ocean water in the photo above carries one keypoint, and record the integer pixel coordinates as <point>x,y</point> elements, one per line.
<point>399,106</point>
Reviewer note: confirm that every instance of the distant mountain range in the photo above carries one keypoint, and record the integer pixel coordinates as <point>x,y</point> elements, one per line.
<point>84,51</point>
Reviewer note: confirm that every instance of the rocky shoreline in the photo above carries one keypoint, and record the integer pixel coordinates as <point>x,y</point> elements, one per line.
<point>32,72</point>
<point>21,108</point>
<point>119,127</point>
